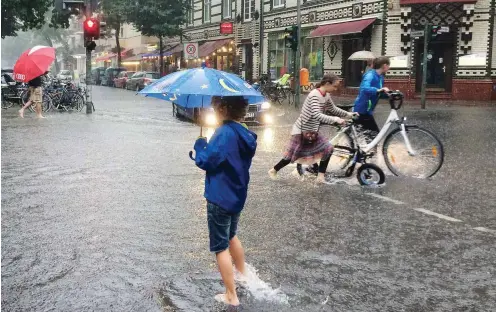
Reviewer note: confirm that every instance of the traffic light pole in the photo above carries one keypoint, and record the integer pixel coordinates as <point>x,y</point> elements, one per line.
<point>89,102</point>
<point>298,52</point>
<point>424,66</point>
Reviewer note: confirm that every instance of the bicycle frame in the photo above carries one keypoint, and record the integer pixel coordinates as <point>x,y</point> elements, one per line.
<point>393,118</point>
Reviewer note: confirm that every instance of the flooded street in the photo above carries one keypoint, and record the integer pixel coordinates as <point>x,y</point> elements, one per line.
<point>106,213</point>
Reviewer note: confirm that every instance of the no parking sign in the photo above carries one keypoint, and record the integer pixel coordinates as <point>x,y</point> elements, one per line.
<point>191,50</point>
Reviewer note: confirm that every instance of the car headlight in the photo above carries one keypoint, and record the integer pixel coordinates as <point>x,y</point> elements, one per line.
<point>265,105</point>
<point>268,119</point>
<point>210,119</point>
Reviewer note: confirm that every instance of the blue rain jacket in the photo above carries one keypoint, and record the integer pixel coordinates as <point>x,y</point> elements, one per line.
<point>227,160</point>
<point>367,96</point>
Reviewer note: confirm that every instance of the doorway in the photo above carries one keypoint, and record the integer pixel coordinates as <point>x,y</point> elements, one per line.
<point>439,63</point>
<point>248,65</point>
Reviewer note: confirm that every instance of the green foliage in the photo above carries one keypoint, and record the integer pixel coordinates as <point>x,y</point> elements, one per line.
<point>159,18</point>
<point>23,15</point>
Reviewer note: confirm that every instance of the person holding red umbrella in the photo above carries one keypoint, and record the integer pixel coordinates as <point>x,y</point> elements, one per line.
<point>29,68</point>
<point>35,97</point>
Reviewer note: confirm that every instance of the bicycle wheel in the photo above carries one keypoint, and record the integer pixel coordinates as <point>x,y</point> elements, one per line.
<point>344,149</point>
<point>428,158</point>
<point>46,105</point>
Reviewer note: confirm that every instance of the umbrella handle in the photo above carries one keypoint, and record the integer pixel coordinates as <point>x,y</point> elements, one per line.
<point>191,156</point>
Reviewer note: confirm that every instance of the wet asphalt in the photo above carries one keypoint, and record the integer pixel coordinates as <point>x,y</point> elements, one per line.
<point>105,213</point>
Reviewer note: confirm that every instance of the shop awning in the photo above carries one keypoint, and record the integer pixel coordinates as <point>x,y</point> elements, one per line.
<point>408,2</point>
<point>155,54</point>
<point>211,46</point>
<point>111,55</point>
<point>134,58</point>
<point>104,58</point>
<point>177,49</point>
<point>343,28</point>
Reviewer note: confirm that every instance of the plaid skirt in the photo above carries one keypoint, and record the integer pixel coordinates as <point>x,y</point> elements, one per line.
<point>308,154</point>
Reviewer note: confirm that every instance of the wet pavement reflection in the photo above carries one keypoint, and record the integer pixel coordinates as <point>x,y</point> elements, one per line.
<point>106,213</point>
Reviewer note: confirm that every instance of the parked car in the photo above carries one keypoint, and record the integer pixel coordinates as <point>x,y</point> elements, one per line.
<point>258,114</point>
<point>110,74</point>
<point>141,79</point>
<point>121,79</point>
<point>64,75</point>
<point>97,74</point>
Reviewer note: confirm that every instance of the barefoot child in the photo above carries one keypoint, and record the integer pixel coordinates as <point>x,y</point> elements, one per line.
<point>227,160</point>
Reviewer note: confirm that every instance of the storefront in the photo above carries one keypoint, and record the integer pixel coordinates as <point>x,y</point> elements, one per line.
<point>218,54</point>
<point>458,53</point>
<point>281,58</point>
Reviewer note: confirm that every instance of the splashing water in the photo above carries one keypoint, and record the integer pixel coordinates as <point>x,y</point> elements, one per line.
<point>259,289</point>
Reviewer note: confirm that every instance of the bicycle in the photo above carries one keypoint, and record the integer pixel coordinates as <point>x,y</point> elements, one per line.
<point>399,144</point>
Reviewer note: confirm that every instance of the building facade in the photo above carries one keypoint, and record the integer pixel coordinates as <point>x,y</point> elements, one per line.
<point>460,60</point>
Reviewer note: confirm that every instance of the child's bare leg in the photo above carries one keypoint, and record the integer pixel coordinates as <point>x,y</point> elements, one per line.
<point>238,254</point>
<point>38,110</point>
<point>226,271</point>
<point>21,111</point>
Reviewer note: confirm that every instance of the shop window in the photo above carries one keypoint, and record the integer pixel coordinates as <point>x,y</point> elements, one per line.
<point>280,58</point>
<point>226,8</point>
<point>313,51</point>
<point>191,11</point>
<point>249,9</point>
<point>278,3</point>
<point>206,11</point>
<point>352,70</point>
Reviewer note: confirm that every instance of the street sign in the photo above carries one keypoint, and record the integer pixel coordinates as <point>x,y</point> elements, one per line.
<point>444,29</point>
<point>417,33</point>
<point>191,50</point>
<point>226,28</point>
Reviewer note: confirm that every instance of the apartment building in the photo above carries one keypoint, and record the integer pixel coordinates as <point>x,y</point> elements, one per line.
<point>461,60</point>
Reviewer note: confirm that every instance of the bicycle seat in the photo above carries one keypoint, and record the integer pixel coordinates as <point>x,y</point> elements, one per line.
<point>395,99</point>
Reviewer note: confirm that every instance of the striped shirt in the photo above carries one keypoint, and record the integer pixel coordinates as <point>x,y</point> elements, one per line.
<point>312,113</point>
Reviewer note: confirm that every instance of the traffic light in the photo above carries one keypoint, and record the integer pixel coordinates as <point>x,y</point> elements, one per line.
<point>91,28</point>
<point>291,37</point>
<point>435,30</point>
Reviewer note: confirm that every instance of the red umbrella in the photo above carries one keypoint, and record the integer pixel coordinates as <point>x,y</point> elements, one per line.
<point>33,63</point>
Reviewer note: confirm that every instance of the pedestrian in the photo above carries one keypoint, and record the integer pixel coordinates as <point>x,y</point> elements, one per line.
<point>35,96</point>
<point>307,145</point>
<point>371,90</point>
<point>227,159</point>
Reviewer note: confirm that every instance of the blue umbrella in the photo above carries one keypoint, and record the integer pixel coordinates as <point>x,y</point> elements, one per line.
<point>195,87</point>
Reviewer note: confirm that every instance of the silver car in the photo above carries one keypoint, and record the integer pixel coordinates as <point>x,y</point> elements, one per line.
<point>64,75</point>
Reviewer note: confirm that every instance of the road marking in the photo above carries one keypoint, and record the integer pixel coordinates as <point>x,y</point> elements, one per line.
<point>441,216</point>
<point>397,202</point>
<point>483,229</point>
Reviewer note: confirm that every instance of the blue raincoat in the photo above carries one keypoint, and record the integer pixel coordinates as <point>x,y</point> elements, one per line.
<point>227,160</point>
<point>368,96</point>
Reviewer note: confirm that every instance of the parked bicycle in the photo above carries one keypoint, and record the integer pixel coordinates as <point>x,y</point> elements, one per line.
<point>408,150</point>
<point>276,91</point>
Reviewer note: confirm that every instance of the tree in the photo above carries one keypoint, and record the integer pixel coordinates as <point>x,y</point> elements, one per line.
<point>160,19</point>
<point>23,15</point>
<point>115,15</point>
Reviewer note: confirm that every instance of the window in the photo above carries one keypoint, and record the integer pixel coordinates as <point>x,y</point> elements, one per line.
<point>278,3</point>
<point>226,8</point>
<point>352,70</point>
<point>152,75</point>
<point>191,11</point>
<point>206,11</point>
<point>313,50</point>
<point>249,9</point>
<point>280,58</point>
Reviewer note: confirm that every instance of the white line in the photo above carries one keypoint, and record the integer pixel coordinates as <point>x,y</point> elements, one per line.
<point>441,216</point>
<point>483,229</point>
<point>397,202</point>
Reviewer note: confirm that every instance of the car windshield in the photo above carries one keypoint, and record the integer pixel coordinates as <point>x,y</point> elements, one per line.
<point>65,72</point>
<point>152,75</point>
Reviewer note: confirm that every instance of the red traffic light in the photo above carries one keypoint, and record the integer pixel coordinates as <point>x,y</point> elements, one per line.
<point>91,28</point>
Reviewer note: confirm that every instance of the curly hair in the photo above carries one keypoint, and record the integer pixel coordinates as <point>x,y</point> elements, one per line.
<point>236,106</point>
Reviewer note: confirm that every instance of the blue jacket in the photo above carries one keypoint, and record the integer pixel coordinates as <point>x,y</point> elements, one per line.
<point>368,96</point>
<point>227,160</point>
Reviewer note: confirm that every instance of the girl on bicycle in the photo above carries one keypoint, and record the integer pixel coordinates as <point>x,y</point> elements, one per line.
<point>307,146</point>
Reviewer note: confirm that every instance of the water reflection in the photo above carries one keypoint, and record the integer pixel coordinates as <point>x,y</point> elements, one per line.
<point>268,136</point>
